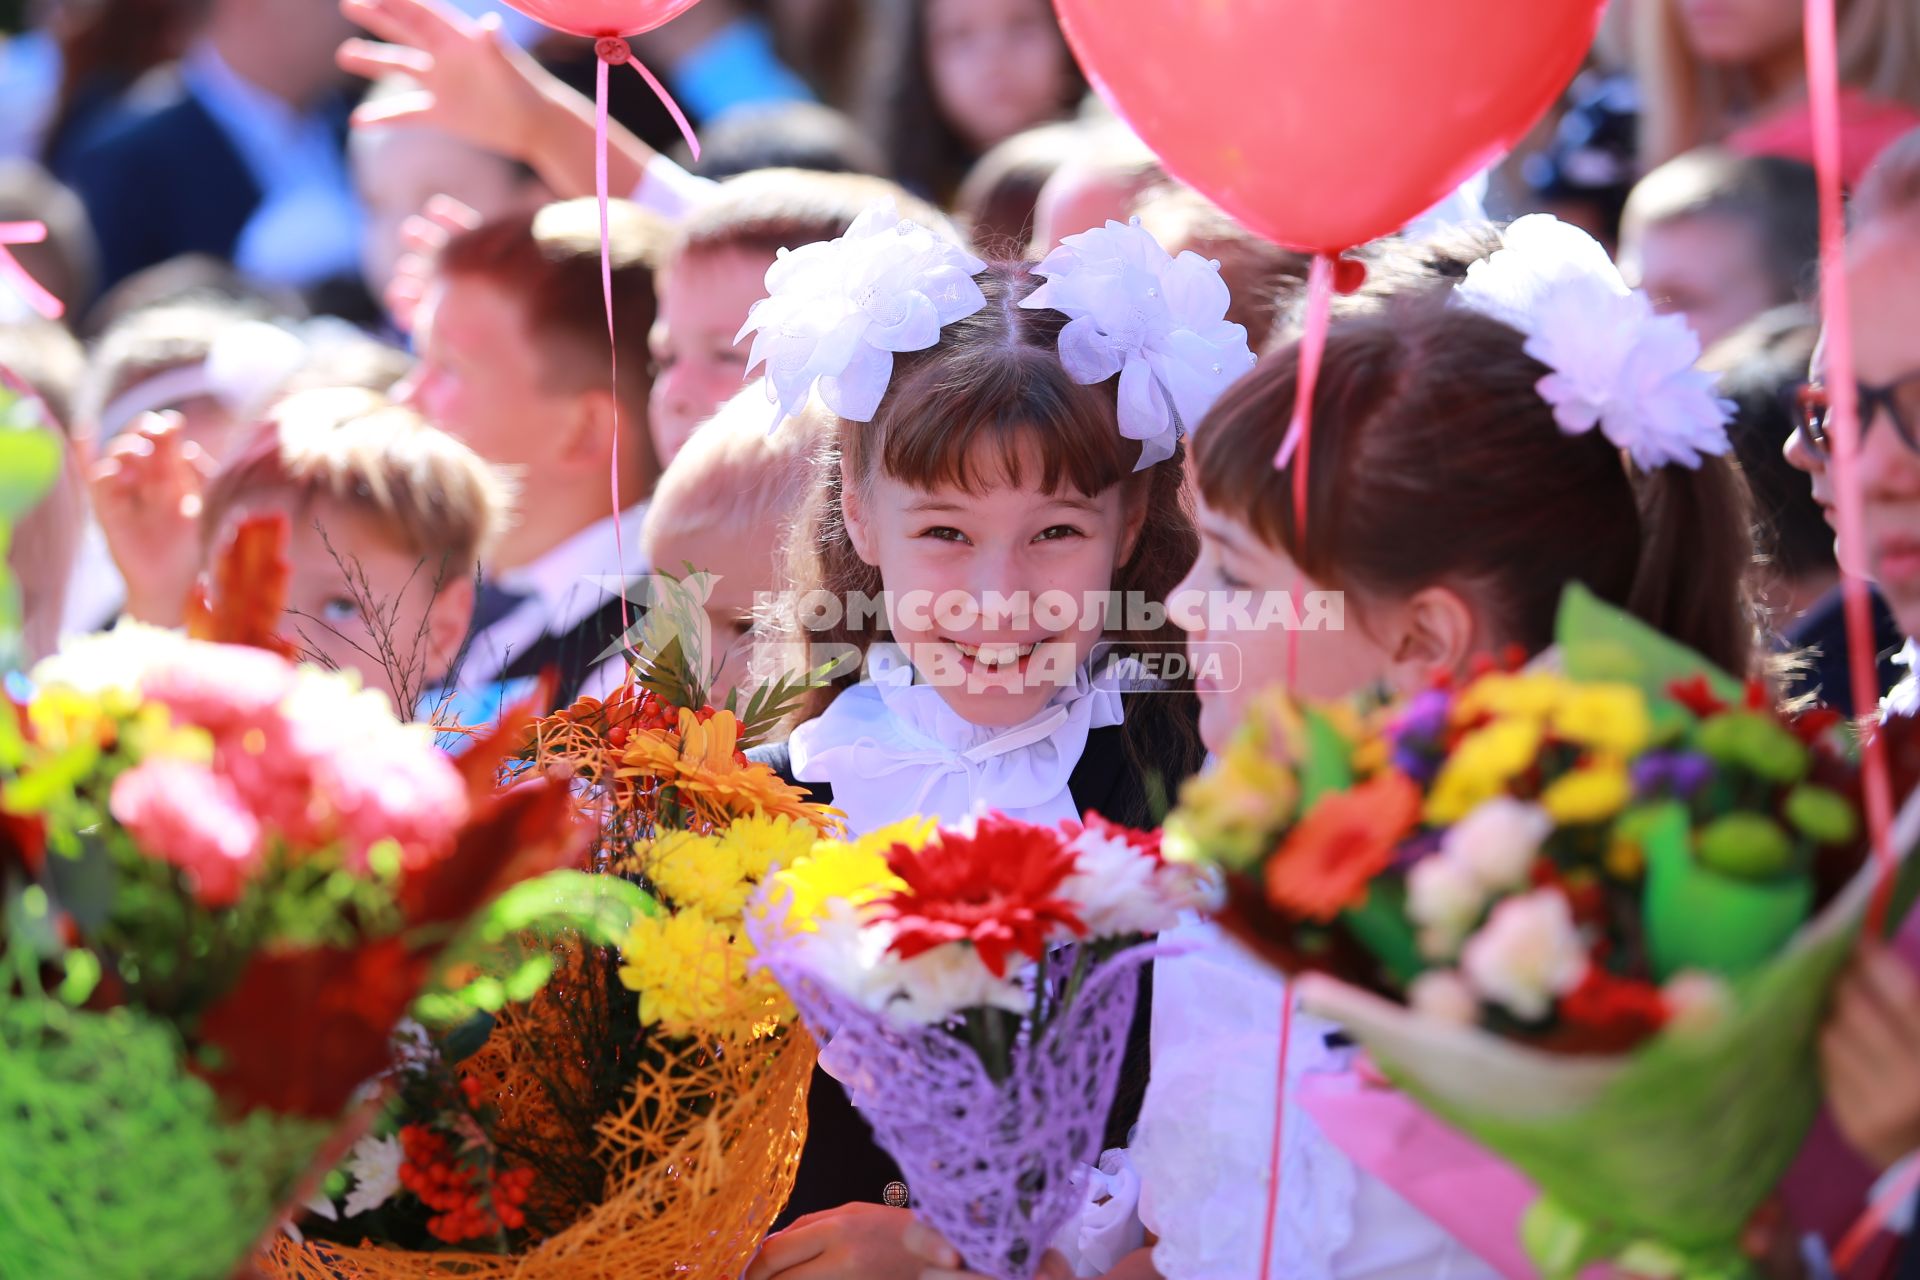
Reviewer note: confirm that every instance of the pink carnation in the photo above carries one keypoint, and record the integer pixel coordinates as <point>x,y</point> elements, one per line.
<point>400,790</point>
<point>223,688</point>
<point>183,814</point>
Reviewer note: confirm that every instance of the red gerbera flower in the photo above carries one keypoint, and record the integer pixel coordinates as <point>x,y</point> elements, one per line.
<point>997,888</point>
<point>1329,859</point>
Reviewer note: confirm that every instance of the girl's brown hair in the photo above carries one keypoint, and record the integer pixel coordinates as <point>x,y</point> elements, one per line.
<point>1433,459</point>
<point>962,414</point>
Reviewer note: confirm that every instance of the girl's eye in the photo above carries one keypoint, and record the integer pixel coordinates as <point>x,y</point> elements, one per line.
<point>1053,533</point>
<point>943,533</point>
<point>339,609</point>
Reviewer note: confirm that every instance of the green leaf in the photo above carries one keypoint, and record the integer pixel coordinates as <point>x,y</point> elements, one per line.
<point>1329,760</point>
<point>53,779</point>
<point>30,458</point>
<point>1599,642</point>
<point>1381,925</point>
<point>598,906</point>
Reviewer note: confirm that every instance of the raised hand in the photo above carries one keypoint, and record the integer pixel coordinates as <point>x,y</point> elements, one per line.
<point>146,490</point>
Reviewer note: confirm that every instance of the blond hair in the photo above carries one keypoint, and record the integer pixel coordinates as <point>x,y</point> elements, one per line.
<point>1686,103</point>
<point>427,492</point>
<point>734,478</point>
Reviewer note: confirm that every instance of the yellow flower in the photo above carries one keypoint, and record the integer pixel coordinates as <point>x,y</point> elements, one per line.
<point>912,832</point>
<point>1606,717</point>
<point>855,872</point>
<point>1232,813</point>
<point>1593,793</point>
<point>697,873</point>
<point>758,843</point>
<point>1481,766</point>
<point>1530,694</point>
<point>691,974</point>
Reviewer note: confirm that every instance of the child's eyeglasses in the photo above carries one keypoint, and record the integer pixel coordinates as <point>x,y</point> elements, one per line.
<point>1812,410</point>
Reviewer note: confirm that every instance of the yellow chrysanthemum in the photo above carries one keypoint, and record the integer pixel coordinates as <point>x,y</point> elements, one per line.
<point>697,873</point>
<point>1530,694</point>
<point>835,871</point>
<point>691,974</point>
<point>912,832</point>
<point>1481,766</point>
<point>759,843</point>
<point>1607,717</point>
<point>1592,793</point>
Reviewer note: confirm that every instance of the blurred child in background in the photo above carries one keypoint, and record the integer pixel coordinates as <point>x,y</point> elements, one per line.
<point>387,519</point>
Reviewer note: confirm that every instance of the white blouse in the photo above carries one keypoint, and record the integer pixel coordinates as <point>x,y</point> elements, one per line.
<point>893,749</point>
<point>1202,1151</point>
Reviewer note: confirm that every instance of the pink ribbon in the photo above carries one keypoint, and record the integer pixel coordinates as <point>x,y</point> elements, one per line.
<point>612,51</point>
<point>11,272</point>
<point>1823,88</point>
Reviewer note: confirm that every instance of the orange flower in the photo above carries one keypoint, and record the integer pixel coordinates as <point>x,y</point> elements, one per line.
<point>1327,861</point>
<point>700,763</point>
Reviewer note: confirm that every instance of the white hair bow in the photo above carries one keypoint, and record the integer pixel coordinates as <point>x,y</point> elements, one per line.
<point>838,311</point>
<point>1156,320</point>
<point>1616,364</point>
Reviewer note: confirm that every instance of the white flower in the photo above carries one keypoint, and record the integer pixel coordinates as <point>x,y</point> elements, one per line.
<point>110,660</point>
<point>837,311</point>
<point>1696,1001</point>
<point>1528,954</point>
<point>1441,994</point>
<point>1498,841</point>
<point>1157,321</point>
<point>1616,365</point>
<point>1122,890</point>
<point>1445,899</point>
<point>375,1167</point>
<point>939,984</point>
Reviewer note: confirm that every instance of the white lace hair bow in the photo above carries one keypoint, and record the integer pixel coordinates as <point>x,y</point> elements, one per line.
<point>1616,364</point>
<point>838,310</point>
<point>1158,321</point>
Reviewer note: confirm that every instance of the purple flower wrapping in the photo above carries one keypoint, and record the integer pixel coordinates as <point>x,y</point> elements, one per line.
<point>988,1164</point>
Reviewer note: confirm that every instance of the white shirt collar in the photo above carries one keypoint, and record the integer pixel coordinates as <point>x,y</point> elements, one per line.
<point>893,749</point>
<point>1904,698</point>
<point>572,579</point>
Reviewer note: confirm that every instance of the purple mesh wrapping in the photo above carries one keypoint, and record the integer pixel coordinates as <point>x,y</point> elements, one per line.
<point>989,1165</point>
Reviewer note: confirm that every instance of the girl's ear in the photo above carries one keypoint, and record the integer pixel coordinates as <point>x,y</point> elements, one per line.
<point>856,518</point>
<point>1433,631</point>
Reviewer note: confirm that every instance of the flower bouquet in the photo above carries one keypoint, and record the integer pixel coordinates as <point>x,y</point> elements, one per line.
<point>224,879</point>
<point>1587,916</point>
<point>975,986</point>
<point>643,1113</point>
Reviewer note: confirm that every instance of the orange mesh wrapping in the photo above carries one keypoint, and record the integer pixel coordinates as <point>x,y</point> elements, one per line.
<point>689,1194</point>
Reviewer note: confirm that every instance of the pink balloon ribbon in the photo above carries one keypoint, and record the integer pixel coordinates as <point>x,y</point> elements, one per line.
<point>1313,345</point>
<point>1823,86</point>
<point>1277,1150</point>
<point>11,272</point>
<point>612,51</point>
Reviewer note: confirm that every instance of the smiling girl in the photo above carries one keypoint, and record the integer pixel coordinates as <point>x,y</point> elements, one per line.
<point>993,533</point>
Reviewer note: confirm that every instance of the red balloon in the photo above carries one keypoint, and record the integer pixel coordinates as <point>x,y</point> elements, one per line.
<point>1322,124</point>
<point>599,18</point>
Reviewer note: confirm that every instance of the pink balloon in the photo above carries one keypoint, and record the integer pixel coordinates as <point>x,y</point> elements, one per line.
<point>1322,124</point>
<point>596,19</point>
